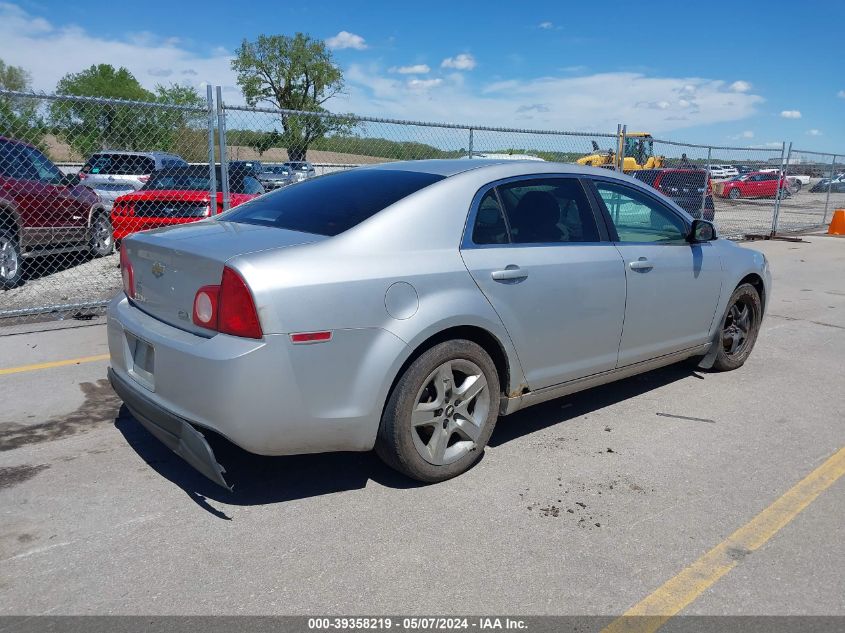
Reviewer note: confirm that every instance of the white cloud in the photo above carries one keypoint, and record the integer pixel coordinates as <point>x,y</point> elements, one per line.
<point>791,114</point>
<point>740,86</point>
<point>814,132</point>
<point>415,69</point>
<point>594,102</point>
<point>423,84</point>
<point>345,39</point>
<point>49,52</point>
<point>841,94</point>
<point>464,61</point>
<point>747,134</point>
<point>546,26</point>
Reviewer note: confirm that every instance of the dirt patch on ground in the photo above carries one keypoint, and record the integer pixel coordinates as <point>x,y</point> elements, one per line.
<point>101,405</point>
<point>13,475</point>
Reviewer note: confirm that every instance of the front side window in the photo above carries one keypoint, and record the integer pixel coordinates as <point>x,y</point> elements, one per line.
<point>639,218</point>
<point>548,211</point>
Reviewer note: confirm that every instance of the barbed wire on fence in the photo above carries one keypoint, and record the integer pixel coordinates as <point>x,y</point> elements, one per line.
<point>128,166</point>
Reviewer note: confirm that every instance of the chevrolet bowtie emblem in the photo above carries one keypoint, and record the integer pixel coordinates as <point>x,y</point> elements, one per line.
<point>158,269</point>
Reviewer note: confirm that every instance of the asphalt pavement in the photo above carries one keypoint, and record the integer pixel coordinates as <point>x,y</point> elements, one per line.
<point>591,504</point>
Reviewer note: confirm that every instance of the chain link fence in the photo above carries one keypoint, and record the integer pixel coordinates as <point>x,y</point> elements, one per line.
<point>78,174</point>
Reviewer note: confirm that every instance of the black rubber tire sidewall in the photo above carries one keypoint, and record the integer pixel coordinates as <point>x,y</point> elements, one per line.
<point>724,362</point>
<point>394,443</point>
<point>12,282</point>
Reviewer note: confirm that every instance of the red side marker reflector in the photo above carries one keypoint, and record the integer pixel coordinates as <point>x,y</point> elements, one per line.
<point>310,337</point>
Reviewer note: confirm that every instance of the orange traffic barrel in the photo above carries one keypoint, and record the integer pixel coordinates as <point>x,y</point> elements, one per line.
<point>837,224</point>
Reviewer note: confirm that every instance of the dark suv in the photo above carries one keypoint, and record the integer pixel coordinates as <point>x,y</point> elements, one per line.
<point>44,212</point>
<point>686,187</point>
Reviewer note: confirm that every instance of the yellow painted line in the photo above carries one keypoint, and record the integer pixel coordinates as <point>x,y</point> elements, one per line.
<point>674,595</point>
<point>55,363</point>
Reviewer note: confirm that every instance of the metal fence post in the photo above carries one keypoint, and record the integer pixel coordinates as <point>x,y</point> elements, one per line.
<point>212,171</point>
<point>470,143</point>
<point>224,161</point>
<point>784,158</point>
<point>829,185</point>
<point>621,133</point>
<point>706,181</point>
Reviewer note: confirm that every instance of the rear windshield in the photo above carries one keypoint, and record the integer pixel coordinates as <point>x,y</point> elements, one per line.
<point>682,179</point>
<point>332,204</point>
<point>198,179</point>
<point>648,176</point>
<point>119,165</point>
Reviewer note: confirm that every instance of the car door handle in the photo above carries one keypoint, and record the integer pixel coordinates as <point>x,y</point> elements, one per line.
<point>510,273</point>
<point>641,264</point>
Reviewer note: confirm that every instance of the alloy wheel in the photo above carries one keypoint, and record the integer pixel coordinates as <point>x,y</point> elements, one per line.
<point>737,327</point>
<point>9,262</point>
<point>102,235</point>
<point>450,411</point>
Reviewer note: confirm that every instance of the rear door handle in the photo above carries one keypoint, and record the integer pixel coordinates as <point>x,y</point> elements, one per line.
<point>510,273</point>
<point>641,264</point>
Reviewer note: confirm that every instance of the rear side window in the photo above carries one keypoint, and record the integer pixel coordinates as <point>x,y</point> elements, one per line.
<point>548,210</point>
<point>331,204</point>
<point>119,165</point>
<point>682,182</point>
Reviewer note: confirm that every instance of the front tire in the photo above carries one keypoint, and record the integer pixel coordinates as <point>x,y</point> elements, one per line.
<point>740,327</point>
<point>11,263</point>
<point>441,412</point>
<point>734,194</point>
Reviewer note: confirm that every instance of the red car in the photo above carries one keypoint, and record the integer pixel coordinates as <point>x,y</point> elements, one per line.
<point>178,196</point>
<point>757,184</point>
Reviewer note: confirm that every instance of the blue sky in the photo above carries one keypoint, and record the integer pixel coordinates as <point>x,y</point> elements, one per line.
<point>751,74</point>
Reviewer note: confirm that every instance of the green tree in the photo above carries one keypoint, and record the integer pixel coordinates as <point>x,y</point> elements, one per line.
<point>19,117</point>
<point>184,132</point>
<point>291,73</point>
<point>92,126</point>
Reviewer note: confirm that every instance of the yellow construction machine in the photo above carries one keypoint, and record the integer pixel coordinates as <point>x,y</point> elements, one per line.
<point>639,154</point>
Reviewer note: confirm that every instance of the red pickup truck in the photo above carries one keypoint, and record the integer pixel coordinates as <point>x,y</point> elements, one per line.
<point>44,212</point>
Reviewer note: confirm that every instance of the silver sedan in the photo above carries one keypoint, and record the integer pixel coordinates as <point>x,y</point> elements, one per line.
<point>406,306</point>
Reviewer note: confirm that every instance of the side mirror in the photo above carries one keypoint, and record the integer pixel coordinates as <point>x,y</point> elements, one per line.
<point>71,180</point>
<point>701,231</point>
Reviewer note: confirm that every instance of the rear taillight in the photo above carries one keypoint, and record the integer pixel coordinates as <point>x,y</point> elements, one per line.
<point>228,308</point>
<point>83,175</point>
<point>127,273</point>
<point>143,178</point>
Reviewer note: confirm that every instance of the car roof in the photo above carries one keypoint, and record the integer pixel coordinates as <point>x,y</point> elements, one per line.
<point>6,139</point>
<point>123,152</point>
<point>497,169</point>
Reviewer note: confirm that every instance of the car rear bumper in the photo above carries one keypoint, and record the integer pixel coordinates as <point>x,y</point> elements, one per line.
<point>268,396</point>
<point>174,432</point>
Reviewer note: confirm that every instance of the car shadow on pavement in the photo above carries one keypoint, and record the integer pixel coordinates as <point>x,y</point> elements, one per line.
<point>256,479</point>
<point>259,480</point>
<point>550,413</point>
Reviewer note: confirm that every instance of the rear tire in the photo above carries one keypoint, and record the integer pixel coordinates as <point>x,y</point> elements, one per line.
<point>441,413</point>
<point>101,239</point>
<point>11,263</point>
<point>739,328</point>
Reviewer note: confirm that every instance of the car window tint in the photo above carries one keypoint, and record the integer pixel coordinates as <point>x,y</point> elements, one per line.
<point>332,204</point>
<point>251,185</point>
<point>489,226</point>
<point>548,210</point>
<point>119,165</point>
<point>45,171</point>
<point>13,163</point>
<point>639,218</point>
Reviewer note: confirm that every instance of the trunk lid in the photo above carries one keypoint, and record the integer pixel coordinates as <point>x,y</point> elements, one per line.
<point>171,264</point>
